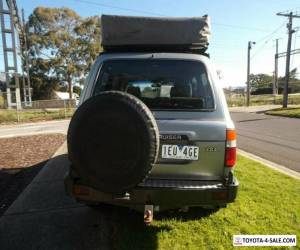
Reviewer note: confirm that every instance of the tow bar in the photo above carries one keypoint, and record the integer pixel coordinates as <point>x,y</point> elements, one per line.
<point>148,214</point>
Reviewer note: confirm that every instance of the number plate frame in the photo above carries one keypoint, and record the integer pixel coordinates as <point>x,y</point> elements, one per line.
<point>180,152</point>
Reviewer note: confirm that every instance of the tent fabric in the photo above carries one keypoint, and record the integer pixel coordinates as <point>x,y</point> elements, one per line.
<point>139,32</point>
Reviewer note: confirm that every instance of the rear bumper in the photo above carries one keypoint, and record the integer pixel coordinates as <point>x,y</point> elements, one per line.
<point>162,193</point>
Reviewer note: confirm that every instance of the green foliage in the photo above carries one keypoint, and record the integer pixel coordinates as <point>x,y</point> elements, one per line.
<point>63,89</point>
<point>12,116</point>
<point>294,85</point>
<point>42,82</point>
<point>62,47</point>
<point>260,81</point>
<point>287,112</point>
<point>77,90</point>
<point>263,83</point>
<point>2,101</point>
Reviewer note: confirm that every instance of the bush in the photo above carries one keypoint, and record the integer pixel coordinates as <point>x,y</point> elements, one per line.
<point>2,102</point>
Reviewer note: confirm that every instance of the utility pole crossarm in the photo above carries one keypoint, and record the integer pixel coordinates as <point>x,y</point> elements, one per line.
<point>293,52</point>
<point>288,15</point>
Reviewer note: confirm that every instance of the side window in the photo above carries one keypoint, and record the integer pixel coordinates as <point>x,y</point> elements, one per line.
<point>208,98</point>
<point>103,83</point>
<point>88,82</point>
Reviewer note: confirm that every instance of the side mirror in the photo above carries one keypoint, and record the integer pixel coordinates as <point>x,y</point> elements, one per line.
<point>220,74</point>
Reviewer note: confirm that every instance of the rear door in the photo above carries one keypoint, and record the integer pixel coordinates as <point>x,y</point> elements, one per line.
<point>180,94</point>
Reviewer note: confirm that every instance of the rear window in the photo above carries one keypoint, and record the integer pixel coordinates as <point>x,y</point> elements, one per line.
<point>160,84</point>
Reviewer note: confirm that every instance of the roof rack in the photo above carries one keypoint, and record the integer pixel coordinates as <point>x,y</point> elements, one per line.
<point>157,49</point>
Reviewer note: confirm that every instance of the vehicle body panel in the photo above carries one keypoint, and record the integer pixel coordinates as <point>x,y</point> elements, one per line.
<point>209,136</point>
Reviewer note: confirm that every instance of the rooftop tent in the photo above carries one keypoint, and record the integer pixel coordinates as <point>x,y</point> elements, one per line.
<point>131,33</point>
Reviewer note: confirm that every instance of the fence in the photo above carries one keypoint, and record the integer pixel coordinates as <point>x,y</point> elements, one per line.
<point>37,111</point>
<point>240,100</point>
<point>59,109</point>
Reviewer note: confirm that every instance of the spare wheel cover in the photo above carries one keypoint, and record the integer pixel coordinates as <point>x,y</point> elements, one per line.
<point>113,141</point>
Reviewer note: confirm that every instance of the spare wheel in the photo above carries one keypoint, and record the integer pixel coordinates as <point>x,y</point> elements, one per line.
<point>113,141</point>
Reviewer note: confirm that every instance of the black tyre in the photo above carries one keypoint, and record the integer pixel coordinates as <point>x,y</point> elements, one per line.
<point>113,141</point>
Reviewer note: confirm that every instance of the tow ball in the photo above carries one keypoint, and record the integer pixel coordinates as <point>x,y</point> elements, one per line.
<point>148,214</point>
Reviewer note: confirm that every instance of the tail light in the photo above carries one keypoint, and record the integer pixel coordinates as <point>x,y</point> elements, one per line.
<point>230,152</point>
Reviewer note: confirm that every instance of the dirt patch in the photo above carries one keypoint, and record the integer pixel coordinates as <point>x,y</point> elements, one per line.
<point>21,159</point>
<point>26,151</point>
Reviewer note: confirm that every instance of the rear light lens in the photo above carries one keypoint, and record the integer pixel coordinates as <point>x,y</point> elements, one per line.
<point>230,152</point>
<point>220,195</point>
<point>230,157</point>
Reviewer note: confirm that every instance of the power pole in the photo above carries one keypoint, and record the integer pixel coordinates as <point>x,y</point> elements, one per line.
<point>248,72</point>
<point>275,83</point>
<point>288,55</point>
<point>27,88</point>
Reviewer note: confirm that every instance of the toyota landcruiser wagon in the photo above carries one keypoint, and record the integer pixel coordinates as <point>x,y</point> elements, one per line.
<point>152,132</point>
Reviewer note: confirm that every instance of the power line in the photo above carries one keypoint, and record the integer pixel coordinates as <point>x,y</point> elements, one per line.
<point>260,49</point>
<point>212,46</point>
<point>272,33</point>
<point>162,15</point>
<point>266,39</point>
<point>240,27</point>
<point>118,8</point>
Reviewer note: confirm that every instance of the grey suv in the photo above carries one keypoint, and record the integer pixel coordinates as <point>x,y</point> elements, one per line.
<point>152,132</point>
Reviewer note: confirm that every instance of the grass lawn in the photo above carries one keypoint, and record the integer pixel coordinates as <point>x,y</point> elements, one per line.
<point>268,203</point>
<point>12,116</point>
<point>288,112</point>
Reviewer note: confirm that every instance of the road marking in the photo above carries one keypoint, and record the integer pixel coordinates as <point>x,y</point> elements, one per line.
<point>33,124</point>
<point>34,133</point>
<point>25,128</point>
<point>270,164</point>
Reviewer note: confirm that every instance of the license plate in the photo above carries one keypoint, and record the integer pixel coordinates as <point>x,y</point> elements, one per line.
<point>182,152</point>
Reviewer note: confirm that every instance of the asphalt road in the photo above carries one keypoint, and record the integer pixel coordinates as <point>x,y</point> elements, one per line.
<point>276,139</point>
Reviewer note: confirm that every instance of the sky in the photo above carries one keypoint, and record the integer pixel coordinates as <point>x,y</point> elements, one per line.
<point>233,24</point>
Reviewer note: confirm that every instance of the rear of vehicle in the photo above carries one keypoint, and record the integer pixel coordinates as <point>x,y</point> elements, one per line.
<point>156,70</point>
<point>197,138</point>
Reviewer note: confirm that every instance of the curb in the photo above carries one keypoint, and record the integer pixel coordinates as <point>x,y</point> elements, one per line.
<point>16,202</point>
<point>59,150</point>
<point>271,164</point>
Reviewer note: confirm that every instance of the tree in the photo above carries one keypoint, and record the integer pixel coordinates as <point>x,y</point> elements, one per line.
<point>260,81</point>
<point>43,83</point>
<point>64,43</point>
<point>89,41</point>
<point>263,83</point>
<point>77,90</point>
<point>294,82</point>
